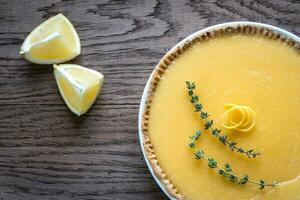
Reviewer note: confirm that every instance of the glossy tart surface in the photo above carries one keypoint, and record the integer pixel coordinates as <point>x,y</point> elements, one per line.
<point>243,69</point>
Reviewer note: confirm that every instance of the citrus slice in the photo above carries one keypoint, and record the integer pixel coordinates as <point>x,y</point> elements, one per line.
<point>78,86</point>
<point>53,41</point>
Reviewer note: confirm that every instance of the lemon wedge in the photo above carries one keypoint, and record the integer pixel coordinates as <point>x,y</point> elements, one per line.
<point>79,86</point>
<point>53,41</point>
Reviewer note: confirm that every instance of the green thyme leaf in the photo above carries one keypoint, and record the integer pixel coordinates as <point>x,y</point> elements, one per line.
<point>208,124</point>
<point>212,163</point>
<point>199,154</point>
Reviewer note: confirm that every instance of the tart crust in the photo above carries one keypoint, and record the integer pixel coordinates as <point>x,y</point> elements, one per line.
<point>163,65</point>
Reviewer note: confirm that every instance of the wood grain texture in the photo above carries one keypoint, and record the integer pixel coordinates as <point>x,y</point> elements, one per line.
<point>48,153</point>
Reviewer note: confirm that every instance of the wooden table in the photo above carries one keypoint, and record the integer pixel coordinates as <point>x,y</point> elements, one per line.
<point>46,152</point>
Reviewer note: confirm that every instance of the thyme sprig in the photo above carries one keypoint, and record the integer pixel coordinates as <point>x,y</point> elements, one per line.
<point>226,171</point>
<point>194,99</point>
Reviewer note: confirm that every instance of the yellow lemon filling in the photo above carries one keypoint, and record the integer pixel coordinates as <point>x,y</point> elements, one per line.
<point>250,70</point>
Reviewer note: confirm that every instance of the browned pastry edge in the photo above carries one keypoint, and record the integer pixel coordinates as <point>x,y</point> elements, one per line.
<point>164,64</point>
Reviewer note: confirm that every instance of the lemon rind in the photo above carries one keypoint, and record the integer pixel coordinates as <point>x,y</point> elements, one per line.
<point>245,124</point>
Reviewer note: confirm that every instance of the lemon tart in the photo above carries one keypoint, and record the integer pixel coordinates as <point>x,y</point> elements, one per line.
<point>247,76</point>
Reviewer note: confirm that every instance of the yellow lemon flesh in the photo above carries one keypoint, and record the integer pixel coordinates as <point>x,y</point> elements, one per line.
<point>78,86</point>
<point>53,41</point>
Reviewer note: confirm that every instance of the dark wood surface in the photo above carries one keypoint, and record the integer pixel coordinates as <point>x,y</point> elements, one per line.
<point>46,152</point>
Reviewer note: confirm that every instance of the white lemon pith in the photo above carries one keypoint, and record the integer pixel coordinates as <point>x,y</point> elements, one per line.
<point>79,86</point>
<point>53,41</point>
